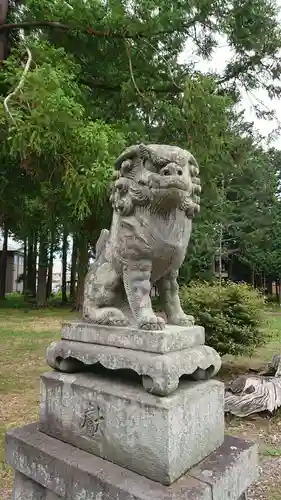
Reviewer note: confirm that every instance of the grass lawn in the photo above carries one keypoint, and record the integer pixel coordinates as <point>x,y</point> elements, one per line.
<point>24,335</point>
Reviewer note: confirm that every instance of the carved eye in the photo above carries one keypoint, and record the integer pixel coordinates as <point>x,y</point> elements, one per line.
<point>160,163</point>
<point>166,171</point>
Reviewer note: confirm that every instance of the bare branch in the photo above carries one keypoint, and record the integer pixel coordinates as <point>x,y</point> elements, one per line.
<point>171,89</point>
<point>19,86</point>
<point>167,63</point>
<point>131,69</point>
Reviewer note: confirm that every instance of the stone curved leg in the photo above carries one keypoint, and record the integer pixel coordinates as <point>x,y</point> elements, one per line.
<point>160,386</point>
<point>61,364</point>
<point>206,374</point>
<point>161,373</point>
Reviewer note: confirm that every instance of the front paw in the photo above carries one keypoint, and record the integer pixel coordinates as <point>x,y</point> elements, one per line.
<point>181,320</point>
<point>151,322</point>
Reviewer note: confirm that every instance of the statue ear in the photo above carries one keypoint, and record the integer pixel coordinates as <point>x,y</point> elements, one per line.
<point>194,168</point>
<point>121,198</point>
<point>126,167</point>
<point>131,153</point>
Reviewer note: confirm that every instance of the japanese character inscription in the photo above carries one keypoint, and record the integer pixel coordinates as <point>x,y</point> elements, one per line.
<point>92,420</point>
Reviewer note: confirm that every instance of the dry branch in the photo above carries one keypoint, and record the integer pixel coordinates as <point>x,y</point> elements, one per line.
<point>171,89</point>
<point>128,49</point>
<point>19,86</point>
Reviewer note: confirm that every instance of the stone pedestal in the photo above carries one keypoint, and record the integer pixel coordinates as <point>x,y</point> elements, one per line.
<point>172,338</point>
<point>48,469</point>
<point>149,424</point>
<point>160,438</point>
<point>160,361</point>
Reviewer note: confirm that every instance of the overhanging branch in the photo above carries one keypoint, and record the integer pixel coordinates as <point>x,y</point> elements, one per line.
<point>110,34</point>
<point>172,89</point>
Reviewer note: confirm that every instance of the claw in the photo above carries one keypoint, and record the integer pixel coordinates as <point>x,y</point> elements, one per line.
<point>154,323</point>
<point>181,320</point>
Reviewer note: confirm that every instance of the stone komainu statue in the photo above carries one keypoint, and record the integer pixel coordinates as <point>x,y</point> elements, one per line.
<point>154,198</point>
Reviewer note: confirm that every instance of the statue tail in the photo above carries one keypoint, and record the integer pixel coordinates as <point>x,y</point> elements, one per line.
<point>101,242</point>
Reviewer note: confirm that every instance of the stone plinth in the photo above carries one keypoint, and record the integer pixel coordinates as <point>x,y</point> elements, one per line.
<point>161,362</point>
<point>160,438</point>
<point>48,469</point>
<point>172,338</point>
<point>102,436</point>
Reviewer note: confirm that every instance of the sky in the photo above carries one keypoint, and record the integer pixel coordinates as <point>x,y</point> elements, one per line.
<point>221,56</point>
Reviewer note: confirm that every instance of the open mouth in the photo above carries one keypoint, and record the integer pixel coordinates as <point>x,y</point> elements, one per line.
<point>169,184</point>
<point>173,186</point>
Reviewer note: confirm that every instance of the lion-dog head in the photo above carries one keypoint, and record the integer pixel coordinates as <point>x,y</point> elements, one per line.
<point>158,176</point>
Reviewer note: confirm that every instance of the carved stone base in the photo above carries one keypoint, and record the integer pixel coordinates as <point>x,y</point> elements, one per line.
<point>47,469</point>
<point>160,438</point>
<point>160,372</point>
<point>172,338</point>
<point>27,489</point>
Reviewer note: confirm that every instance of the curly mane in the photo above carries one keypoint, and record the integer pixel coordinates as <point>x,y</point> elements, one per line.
<point>192,204</point>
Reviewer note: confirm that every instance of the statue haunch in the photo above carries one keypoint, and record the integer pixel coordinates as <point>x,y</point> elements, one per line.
<point>154,198</point>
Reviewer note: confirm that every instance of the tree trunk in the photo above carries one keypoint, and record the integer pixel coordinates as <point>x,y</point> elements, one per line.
<point>24,281</point>
<point>258,281</point>
<point>220,253</point>
<point>30,289</point>
<point>82,271</point>
<point>73,269</point>
<point>29,268</point>
<point>3,265</point>
<point>264,283</point>
<point>253,277</point>
<point>213,266</point>
<point>41,297</point>
<point>50,267</point>
<point>64,266</point>
<point>34,264</point>
<point>269,286</point>
<point>277,290</point>
<point>4,6</point>
<point>230,268</point>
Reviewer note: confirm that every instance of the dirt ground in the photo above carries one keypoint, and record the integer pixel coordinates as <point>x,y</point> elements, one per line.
<point>267,433</point>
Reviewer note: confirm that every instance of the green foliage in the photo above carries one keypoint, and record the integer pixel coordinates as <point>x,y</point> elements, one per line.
<point>110,76</point>
<point>69,155</point>
<point>232,314</point>
<point>251,29</point>
<point>208,118</point>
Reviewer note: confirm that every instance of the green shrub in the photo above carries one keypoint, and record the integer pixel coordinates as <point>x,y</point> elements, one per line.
<point>233,315</point>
